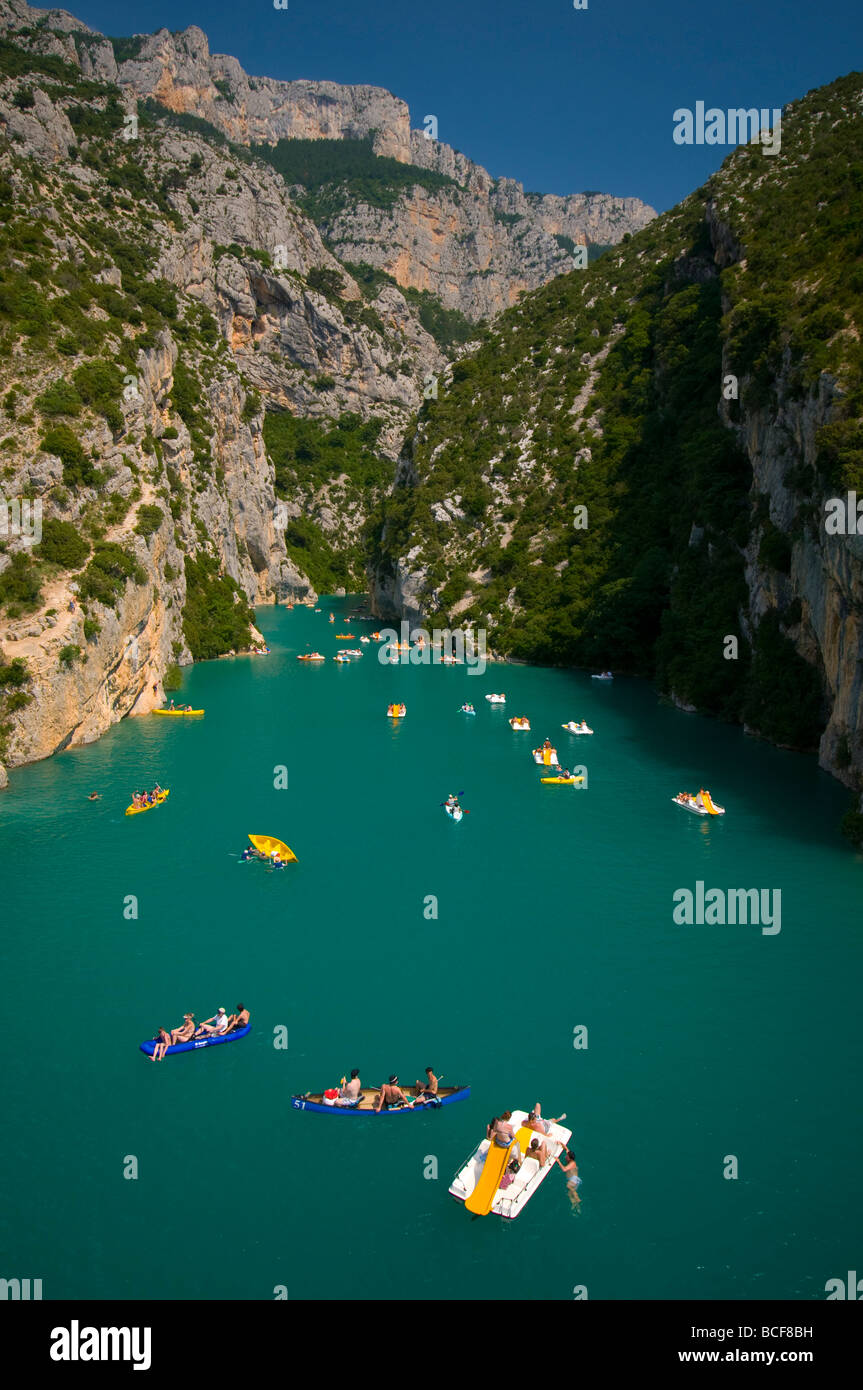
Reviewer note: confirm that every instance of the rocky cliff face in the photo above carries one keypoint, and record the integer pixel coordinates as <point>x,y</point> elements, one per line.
<point>475,246</point>
<point>187,276</point>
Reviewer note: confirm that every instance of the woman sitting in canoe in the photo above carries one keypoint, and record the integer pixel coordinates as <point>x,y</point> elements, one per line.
<point>185,1031</point>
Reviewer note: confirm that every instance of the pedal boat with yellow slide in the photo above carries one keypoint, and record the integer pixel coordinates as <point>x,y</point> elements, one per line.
<point>324,1102</point>
<point>397,711</point>
<point>546,756</point>
<point>478,1181</point>
<point>134,810</point>
<point>701,805</point>
<point>519,721</point>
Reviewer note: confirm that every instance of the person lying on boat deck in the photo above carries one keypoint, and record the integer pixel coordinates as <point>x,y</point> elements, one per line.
<point>217,1024</point>
<point>163,1042</point>
<point>428,1090</point>
<point>350,1091</point>
<point>390,1094</point>
<point>185,1030</point>
<point>573,1181</point>
<point>536,1121</point>
<point>239,1019</point>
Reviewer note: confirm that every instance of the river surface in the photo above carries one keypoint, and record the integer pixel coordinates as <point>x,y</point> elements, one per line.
<point>708,1048</point>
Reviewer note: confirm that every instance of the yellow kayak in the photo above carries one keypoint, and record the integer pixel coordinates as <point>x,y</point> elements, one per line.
<point>267,844</point>
<point>561,781</point>
<point>178,711</point>
<point>134,810</point>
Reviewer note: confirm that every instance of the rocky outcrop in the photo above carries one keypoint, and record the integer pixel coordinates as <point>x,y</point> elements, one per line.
<point>476,244</point>
<point>234,247</point>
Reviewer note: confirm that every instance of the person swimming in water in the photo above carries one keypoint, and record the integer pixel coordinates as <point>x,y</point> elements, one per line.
<point>573,1181</point>
<point>94,796</point>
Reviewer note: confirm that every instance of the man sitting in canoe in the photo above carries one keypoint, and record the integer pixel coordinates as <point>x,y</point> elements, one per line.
<point>349,1092</point>
<point>427,1090</point>
<point>163,1042</point>
<point>239,1019</point>
<point>217,1024</point>
<point>390,1095</point>
<point>185,1031</point>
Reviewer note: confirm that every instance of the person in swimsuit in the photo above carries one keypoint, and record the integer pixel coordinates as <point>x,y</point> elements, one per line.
<point>427,1091</point>
<point>573,1181</point>
<point>536,1122</point>
<point>94,796</point>
<point>501,1133</point>
<point>185,1030</point>
<point>162,1044</point>
<point>538,1150</point>
<point>350,1091</point>
<point>390,1094</point>
<point>239,1019</point>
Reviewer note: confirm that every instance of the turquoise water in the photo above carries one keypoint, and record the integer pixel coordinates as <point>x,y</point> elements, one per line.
<point>555,911</point>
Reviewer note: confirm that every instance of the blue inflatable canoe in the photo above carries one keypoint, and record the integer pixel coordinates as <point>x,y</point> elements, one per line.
<point>447,1095</point>
<point>196,1043</point>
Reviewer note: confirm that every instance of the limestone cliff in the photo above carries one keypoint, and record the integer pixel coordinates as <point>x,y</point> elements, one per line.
<point>476,244</point>
<point>156,296</point>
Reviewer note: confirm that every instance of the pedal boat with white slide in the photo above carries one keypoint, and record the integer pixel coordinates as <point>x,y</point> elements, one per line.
<point>700,805</point>
<point>496,699</point>
<point>478,1182</point>
<point>573,727</point>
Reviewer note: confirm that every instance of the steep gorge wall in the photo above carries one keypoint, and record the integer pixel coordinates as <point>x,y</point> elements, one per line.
<point>476,246</point>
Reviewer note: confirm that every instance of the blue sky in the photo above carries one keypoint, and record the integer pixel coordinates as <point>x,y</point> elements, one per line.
<point>562,100</point>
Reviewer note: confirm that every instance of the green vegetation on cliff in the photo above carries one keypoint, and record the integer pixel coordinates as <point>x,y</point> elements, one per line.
<point>335,174</point>
<point>604,391</point>
<point>216,617</point>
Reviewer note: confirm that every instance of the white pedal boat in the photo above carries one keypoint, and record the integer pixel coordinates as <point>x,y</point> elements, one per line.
<point>496,699</point>
<point>604,676</point>
<point>510,1200</point>
<point>573,728</point>
<point>519,723</point>
<point>700,805</point>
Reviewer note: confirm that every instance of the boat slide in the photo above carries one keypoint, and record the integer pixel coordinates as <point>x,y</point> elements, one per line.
<point>477,1183</point>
